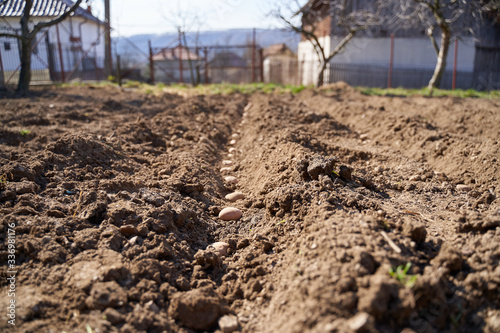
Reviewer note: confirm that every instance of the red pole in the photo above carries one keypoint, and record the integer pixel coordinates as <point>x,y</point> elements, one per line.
<point>180,58</point>
<point>253,56</point>
<point>454,82</point>
<point>391,63</point>
<point>206,64</point>
<point>151,64</point>
<point>61,61</point>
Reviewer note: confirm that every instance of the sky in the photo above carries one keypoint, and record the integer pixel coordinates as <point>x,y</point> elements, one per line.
<point>132,17</point>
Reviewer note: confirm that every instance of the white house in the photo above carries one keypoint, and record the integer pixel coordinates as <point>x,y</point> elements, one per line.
<point>366,59</point>
<point>72,49</point>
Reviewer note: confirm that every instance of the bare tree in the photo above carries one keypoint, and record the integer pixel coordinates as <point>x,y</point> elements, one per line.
<point>27,37</point>
<point>185,21</point>
<point>451,18</point>
<point>344,20</point>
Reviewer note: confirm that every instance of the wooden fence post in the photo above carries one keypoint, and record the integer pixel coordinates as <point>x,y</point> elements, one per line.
<point>151,64</point>
<point>119,70</point>
<point>205,51</point>
<point>61,60</point>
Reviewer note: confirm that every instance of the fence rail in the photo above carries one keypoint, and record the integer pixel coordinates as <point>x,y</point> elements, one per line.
<point>378,76</point>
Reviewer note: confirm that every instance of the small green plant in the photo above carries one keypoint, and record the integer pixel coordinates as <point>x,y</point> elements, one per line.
<point>132,84</point>
<point>455,319</point>
<point>3,181</point>
<point>384,225</point>
<point>24,132</point>
<point>401,274</point>
<point>282,221</point>
<point>402,92</point>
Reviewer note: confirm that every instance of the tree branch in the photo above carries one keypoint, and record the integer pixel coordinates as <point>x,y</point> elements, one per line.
<point>309,35</point>
<point>341,45</point>
<point>11,36</point>
<point>430,34</point>
<point>41,25</point>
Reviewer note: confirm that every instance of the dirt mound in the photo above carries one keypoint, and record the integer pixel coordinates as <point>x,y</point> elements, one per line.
<point>359,214</point>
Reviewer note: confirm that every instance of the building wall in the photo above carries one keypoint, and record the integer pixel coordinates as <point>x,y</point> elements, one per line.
<point>281,69</point>
<point>308,60</point>
<point>408,52</point>
<point>81,56</point>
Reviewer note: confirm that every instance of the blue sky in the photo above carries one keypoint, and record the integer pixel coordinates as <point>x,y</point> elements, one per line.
<point>130,17</point>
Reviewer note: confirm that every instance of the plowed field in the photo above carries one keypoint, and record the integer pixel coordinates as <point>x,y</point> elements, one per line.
<point>359,213</point>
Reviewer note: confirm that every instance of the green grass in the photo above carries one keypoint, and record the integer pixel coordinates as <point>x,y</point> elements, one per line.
<point>269,88</point>
<point>402,92</point>
<point>246,88</point>
<point>401,274</point>
<point>202,89</point>
<point>24,132</point>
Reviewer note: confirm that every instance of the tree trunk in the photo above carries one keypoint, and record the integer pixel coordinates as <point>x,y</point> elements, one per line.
<point>435,81</point>
<point>23,86</point>
<point>320,79</point>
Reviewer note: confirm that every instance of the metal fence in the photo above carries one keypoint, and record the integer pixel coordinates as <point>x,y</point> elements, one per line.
<point>177,62</point>
<point>379,76</point>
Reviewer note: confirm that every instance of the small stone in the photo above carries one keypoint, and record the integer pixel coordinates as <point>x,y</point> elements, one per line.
<point>231,180</point>
<point>464,188</point>
<point>234,135</point>
<point>230,213</point>
<point>230,155</point>
<point>361,322</point>
<point>232,150</point>
<point>415,178</point>
<point>225,169</point>
<point>227,163</point>
<point>133,240</point>
<point>232,142</point>
<point>235,196</point>
<point>228,323</point>
<point>363,136</point>
<point>152,306</point>
<point>220,247</point>
<point>128,230</point>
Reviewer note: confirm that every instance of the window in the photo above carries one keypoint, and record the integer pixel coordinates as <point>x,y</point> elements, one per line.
<point>6,45</point>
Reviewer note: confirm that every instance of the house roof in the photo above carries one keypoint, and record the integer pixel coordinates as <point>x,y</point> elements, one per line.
<point>44,8</point>
<point>174,54</point>
<point>228,59</point>
<point>278,49</point>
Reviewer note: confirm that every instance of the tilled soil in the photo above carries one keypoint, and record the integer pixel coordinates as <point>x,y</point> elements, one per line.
<point>115,197</point>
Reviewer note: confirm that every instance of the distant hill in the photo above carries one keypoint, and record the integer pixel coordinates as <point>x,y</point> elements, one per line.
<point>264,38</point>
